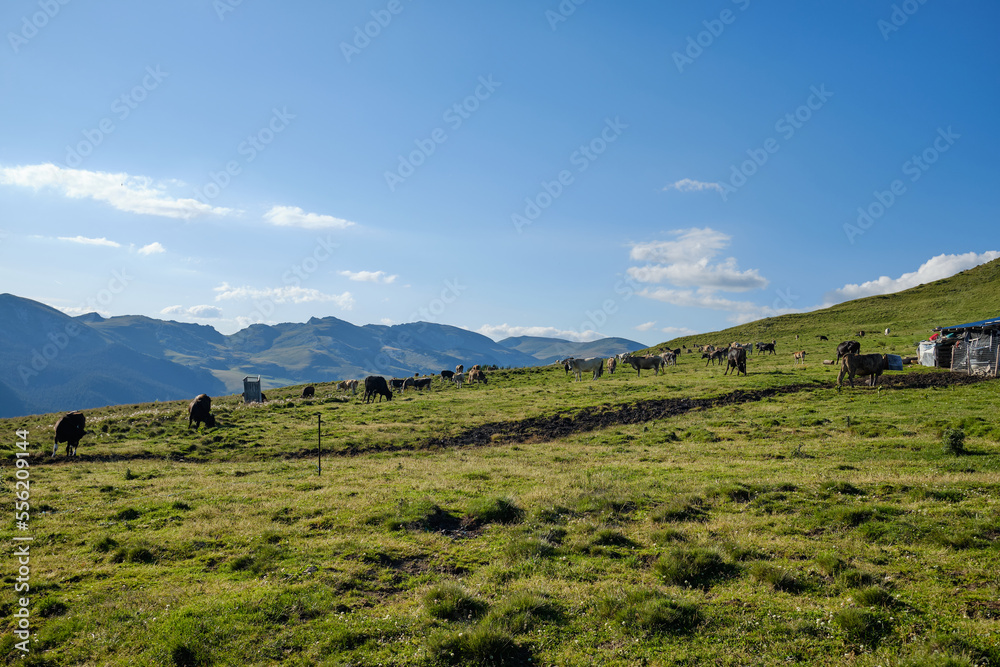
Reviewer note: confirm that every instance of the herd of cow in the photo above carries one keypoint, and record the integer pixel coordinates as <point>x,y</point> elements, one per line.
<point>71,427</point>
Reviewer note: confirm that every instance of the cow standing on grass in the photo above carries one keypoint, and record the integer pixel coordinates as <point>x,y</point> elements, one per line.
<point>200,410</point>
<point>376,384</point>
<point>848,347</point>
<point>70,429</point>
<point>737,359</point>
<point>862,365</point>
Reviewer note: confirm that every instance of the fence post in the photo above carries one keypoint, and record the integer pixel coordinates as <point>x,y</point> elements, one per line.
<point>319,438</point>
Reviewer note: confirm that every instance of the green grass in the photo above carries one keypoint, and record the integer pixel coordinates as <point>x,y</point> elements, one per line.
<point>811,526</point>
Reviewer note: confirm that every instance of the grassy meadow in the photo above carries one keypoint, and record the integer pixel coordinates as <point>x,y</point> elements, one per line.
<point>811,526</point>
<point>689,518</point>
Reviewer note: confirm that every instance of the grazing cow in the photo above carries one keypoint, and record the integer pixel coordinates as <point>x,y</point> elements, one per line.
<point>669,358</point>
<point>887,331</point>
<point>640,363</point>
<point>395,383</point>
<point>715,355</point>
<point>612,364</point>
<point>862,365</point>
<point>308,392</point>
<point>861,333</point>
<point>417,383</point>
<point>848,347</point>
<point>458,379</point>
<point>595,364</point>
<point>376,384</point>
<point>200,411</point>
<point>766,347</point>
<point>344,385</point>
<point>460,368</point>
<point>70,429</point>
<point>799,356</point>
<point>737,359</point>
<point>822,337</point>
<point>476,375</point>
<point>447,375</point>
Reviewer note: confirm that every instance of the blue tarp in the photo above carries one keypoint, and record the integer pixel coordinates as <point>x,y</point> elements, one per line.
<point>993,323</point>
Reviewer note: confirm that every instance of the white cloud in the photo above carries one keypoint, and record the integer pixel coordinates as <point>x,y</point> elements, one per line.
<point>204,312</point>
<point>369,276</point>
<point>645,326</point>
<point>501,331</point>
<point>690,185</point>
<point>678,331</point>
<point>86,241</point>
<point>936,268</point>
<point>287,294</point>
<point>153,248</point>
<point>690,261</point>
<point>132,194</point>
<point>293,216</point>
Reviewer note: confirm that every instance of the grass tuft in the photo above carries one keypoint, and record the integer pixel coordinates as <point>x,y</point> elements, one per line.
<point>451,602</point>
<point>693,567</point>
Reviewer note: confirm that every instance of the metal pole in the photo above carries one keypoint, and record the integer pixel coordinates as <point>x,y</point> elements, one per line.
<point>319,438</point>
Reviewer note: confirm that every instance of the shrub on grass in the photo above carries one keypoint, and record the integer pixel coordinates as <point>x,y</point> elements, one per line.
<point>953,440</point>
<point>862,627</point>
<point>666,536</point>
<point>609,537</point>
<point>50,606</point>
<point>682,508</point>
<point>694,567</point>
<point>105,544</point>
<point>483,644</point>
<point>417,515</point>
<point>778,578</point>
<point>874,596</point>
<point>127,514</point>
<point>650,612</point>
<point>451,602</point>
<point>493,510</point>
<point>523,611</point>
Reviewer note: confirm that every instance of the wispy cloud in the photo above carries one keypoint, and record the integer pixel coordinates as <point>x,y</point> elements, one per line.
<point>501,331</point>
<point>691,185</point>
<point>288,294</point>
<point>88,241</point>
<point>936,268</point>
<point>293,216</point>
<point>153,248</point>
<point>202,312</point>
<point>369,276</point>
<point>132,194</point>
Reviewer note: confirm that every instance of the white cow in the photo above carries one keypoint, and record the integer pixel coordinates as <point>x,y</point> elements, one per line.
<point>595,364</point>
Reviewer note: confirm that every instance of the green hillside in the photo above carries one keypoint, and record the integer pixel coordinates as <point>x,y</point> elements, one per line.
<point>685,518</point>
<point>911,315</point>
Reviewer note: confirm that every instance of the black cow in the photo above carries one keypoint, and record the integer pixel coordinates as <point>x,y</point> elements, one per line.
<point>395,383</point>
<point>309,392</point>
<point>737,359</point>
<point>70,429</point>
<point>848,347</point>
<point>447,375</point>
<point>200,411</point>
<point>376,384</point>
<point>712,357</point>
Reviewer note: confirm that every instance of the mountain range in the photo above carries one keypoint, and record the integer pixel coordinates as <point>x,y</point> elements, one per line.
<point>53,362</point>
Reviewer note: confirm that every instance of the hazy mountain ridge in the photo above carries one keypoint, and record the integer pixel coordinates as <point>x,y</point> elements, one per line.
<point>54,362</point>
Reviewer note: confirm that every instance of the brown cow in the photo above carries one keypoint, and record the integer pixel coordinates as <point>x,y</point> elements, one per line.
<point>308,392</point>
<point>200,410</point>
<point>799,356</point>
<point>862,365</point>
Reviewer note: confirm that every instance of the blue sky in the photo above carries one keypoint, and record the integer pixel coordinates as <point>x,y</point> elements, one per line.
<point>575,169</point>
